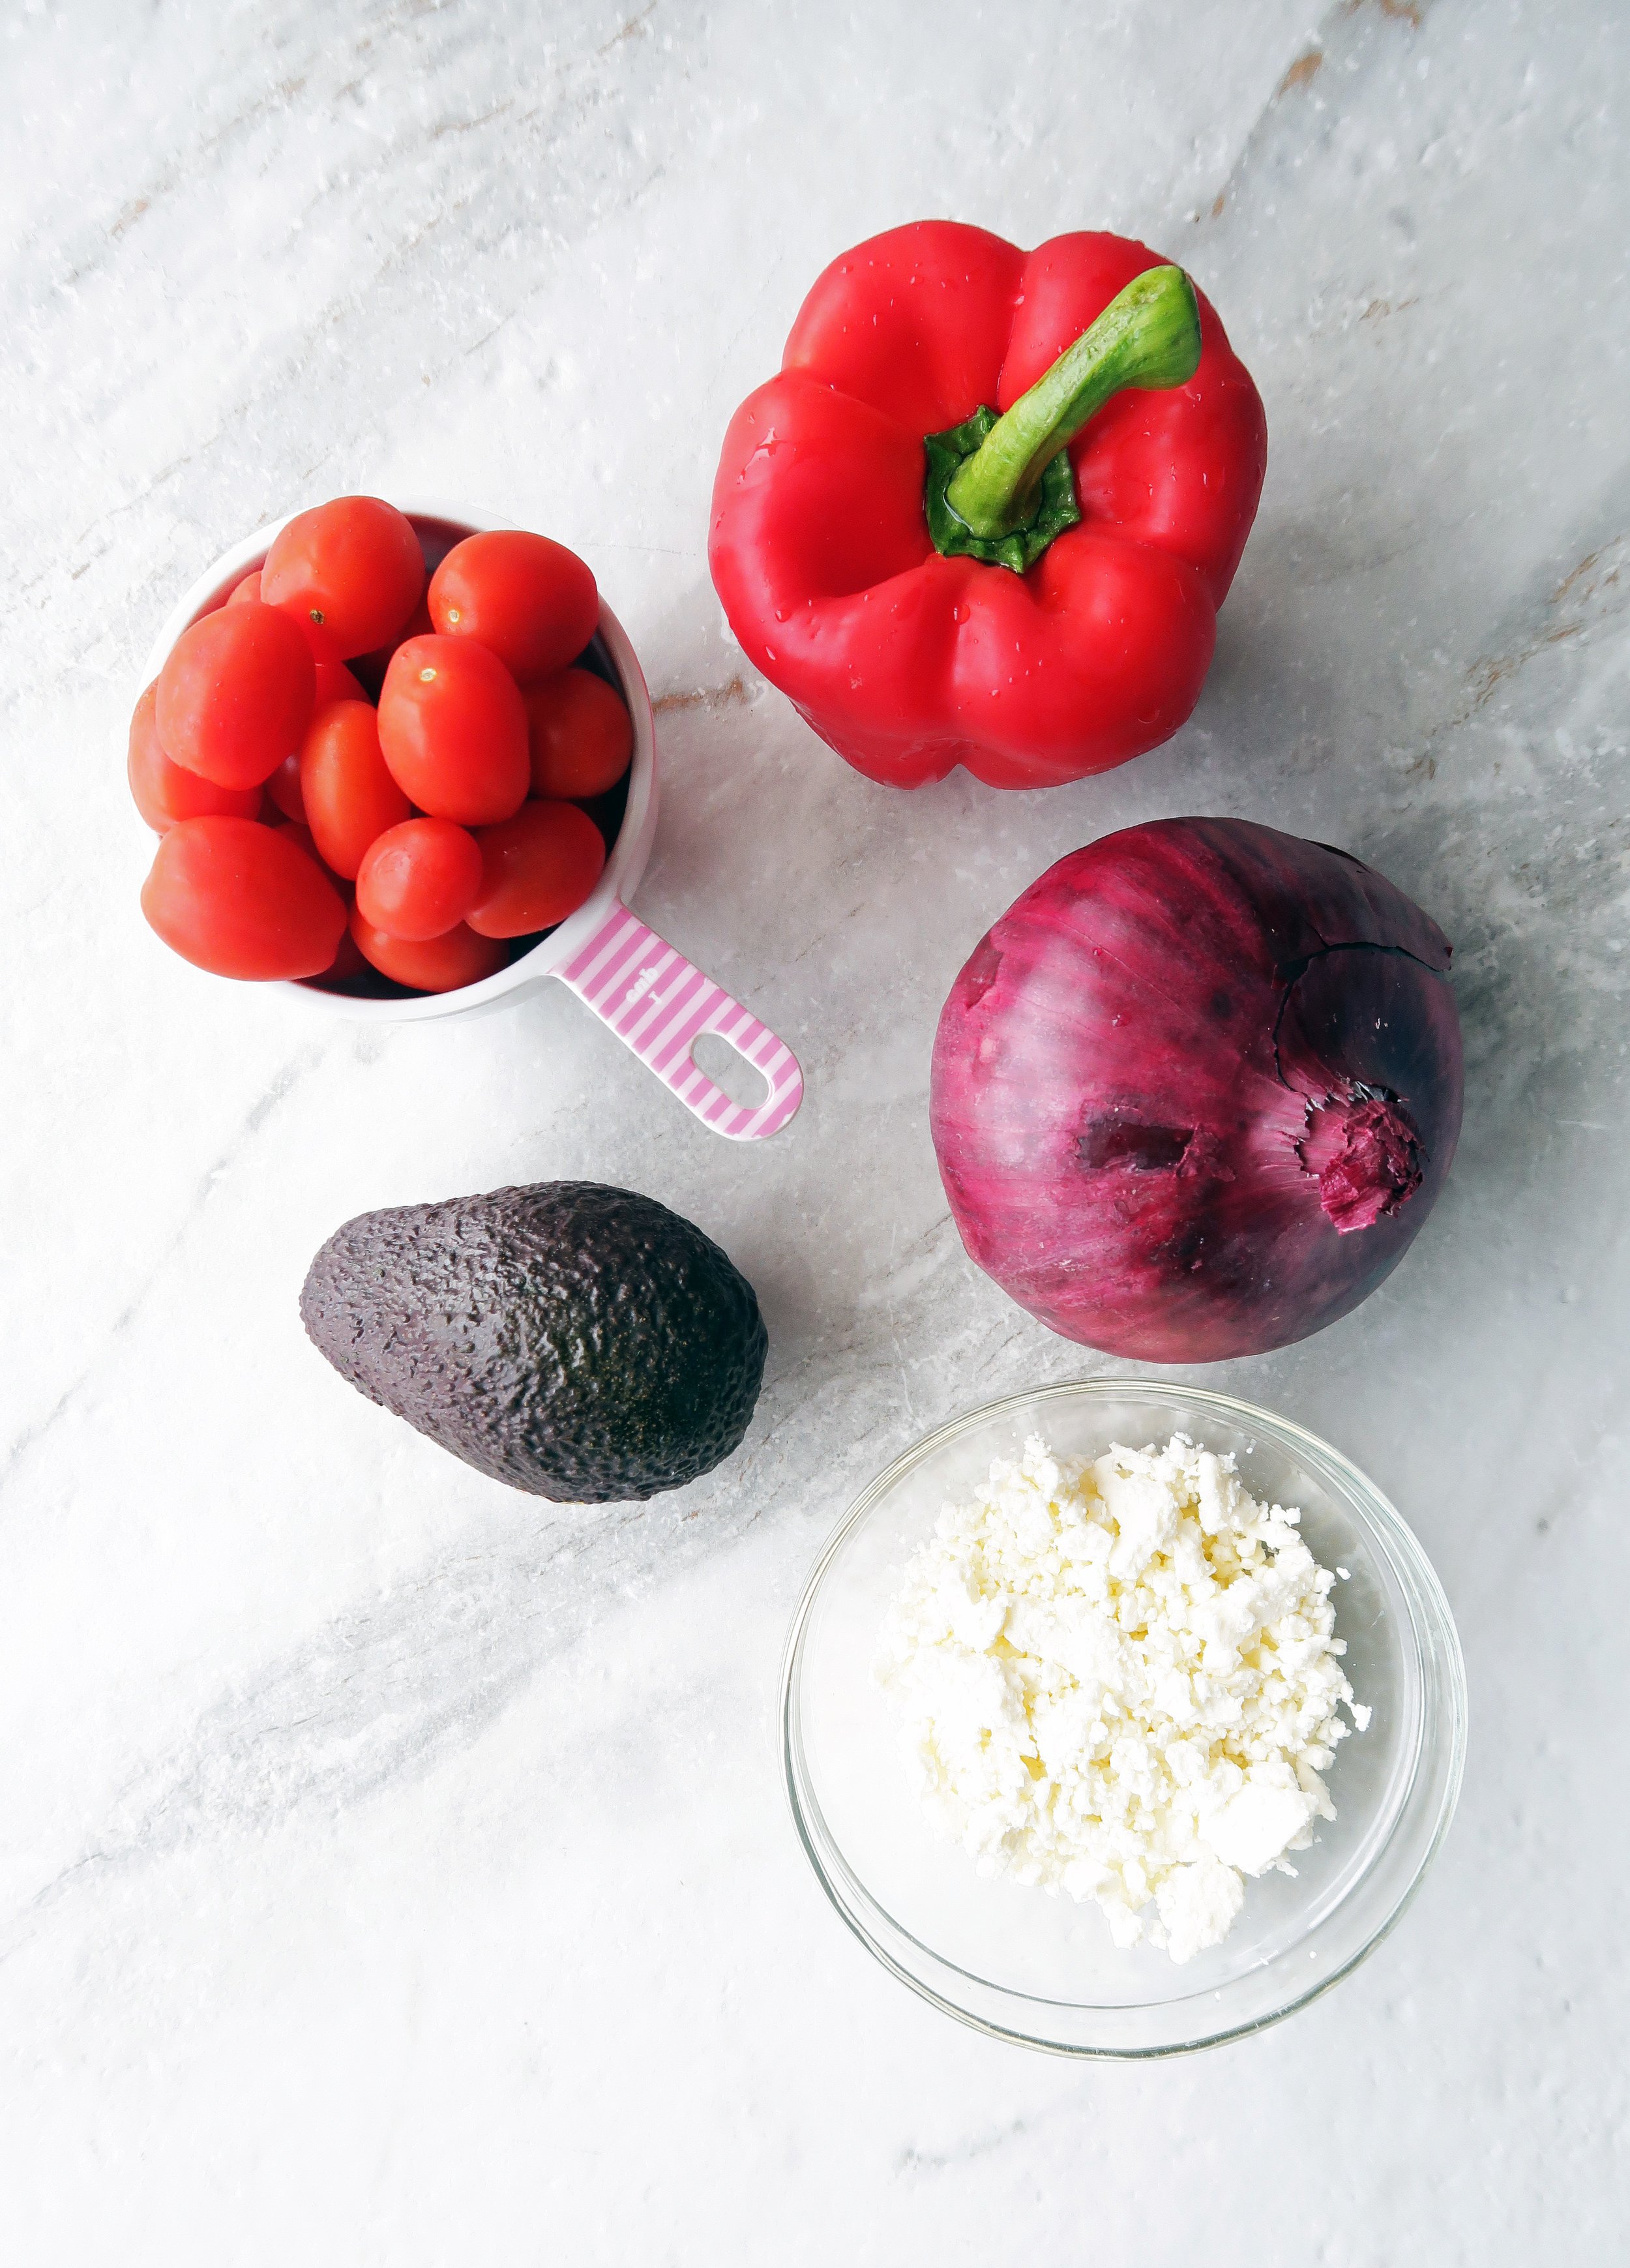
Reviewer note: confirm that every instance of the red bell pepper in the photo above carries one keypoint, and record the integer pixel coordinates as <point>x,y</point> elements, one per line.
<point>1031,594</point>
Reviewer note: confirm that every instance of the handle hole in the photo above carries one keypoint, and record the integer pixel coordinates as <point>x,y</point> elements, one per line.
<point>727,1067</point>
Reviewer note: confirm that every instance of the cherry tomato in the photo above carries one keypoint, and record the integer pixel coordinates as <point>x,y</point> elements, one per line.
<point>436,964</point>
<point>454,730</point>
<point>349,795</point>
<point>284,787</point>
<point>370,667</point>
<point>536,868</point>
<point>166,793</point>
<point>295,830</point>
<point>416,880</point>
<point>580,735</point>
<point>348,961</point>
<point>335,682</point>
<point>236,694</point>
<point>243,900</point>
<point>533,602</point>
<point>352,569</point>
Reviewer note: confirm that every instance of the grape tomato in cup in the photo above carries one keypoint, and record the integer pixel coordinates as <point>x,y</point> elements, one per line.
<point>348,794</point>
<point>454,730</point>
<point>537,869</point>
<point>349,962</point>
<point>580,736</point>
<point>352,570</point>
<point>531,601</point>
<point>335,682</point>
<point>165,793</point>
<point>243,900</point>
<point>283,788</point>
<point>235,695</point>
<point>295,830</point>
<point>370,667</point>
<point>418,879</point>
<point>435,964</point>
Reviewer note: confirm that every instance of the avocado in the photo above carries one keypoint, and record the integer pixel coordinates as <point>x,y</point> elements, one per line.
<point>582,1342</point>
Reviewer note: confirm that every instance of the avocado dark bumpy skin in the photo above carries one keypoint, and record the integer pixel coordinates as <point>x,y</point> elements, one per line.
<point>582,1342</point>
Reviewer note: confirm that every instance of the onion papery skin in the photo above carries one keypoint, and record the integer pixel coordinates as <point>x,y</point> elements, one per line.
<point>1195,1094</point>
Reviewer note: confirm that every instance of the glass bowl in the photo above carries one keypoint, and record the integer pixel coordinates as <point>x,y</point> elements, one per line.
<point>1007,1957</point>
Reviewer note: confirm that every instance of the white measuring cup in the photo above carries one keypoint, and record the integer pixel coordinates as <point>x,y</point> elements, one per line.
<point>657,1003</point>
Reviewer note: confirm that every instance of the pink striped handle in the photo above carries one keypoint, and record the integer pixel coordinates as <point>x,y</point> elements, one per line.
<point>659,1005</point>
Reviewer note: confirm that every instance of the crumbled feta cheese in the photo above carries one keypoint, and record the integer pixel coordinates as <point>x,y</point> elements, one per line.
<point>1117,1676</point>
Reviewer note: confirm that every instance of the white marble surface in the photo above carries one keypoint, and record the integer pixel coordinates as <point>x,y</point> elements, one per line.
<point>395,1869</point>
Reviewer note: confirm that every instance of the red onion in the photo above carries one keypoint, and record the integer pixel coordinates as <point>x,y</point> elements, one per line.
<point>1196,1091</point>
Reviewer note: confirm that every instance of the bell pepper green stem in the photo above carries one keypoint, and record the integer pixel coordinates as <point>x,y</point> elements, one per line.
<point>1148,335</point>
